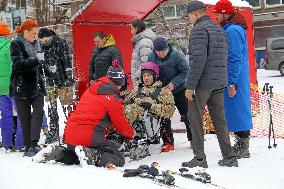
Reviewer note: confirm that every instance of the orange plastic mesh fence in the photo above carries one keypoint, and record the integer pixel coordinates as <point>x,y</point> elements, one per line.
<point>261,112</point>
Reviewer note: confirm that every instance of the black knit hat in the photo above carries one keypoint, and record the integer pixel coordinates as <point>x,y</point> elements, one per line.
<point>116,74</point>
<point>44,32</point>
<point>160,44</point>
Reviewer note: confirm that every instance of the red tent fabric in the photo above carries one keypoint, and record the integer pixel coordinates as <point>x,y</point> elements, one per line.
<point>112,17</point>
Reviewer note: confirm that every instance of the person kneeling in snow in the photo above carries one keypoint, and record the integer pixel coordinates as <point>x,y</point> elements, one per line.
<point>99,108</point>
<point>147,98</point>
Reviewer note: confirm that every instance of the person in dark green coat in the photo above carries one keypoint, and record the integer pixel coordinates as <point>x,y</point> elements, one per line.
<point>6,103</point>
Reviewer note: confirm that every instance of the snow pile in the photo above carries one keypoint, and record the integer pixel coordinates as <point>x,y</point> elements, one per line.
<point>236,3</point>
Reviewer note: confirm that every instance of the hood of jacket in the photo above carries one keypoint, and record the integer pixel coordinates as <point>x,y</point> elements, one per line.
<point>110,41</point>
<point>238,19</point>
<point>103,86</point>
<point>147,33</point>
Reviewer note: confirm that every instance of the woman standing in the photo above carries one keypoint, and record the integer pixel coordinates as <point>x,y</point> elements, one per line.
<point>143,45</point>
<point>27,87</point>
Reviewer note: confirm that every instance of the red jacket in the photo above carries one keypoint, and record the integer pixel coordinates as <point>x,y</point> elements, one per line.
<point>99,107</point>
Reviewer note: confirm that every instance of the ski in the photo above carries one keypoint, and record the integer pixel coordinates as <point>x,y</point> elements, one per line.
<point>164,180</point>
<point>200,176</point>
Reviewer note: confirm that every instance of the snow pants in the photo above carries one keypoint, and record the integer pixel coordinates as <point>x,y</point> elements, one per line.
<point>7,124</point>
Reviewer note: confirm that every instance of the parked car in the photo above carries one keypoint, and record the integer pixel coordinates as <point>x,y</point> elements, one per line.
<point>275,54</point>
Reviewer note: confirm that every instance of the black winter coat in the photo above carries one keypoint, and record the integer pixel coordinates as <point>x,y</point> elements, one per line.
<point>26,79</point>
<point>101,61</point>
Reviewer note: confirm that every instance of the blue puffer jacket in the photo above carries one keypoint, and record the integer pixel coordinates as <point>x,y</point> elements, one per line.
<point>173,68</point>
<point>238,108</point>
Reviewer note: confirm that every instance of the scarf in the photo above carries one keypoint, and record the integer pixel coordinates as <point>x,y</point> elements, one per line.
<point>31,48</point>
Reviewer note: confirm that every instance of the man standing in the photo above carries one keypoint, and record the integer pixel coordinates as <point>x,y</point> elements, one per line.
<point>58,60</point>
<point>237,95</point>
<point>205,85</point>
<point>173,74</point>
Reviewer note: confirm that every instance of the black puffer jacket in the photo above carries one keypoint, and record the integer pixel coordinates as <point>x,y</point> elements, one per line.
<point>58,54</point>
<point>208,55</point>
<point>102,59</point>
<point>26,79</point>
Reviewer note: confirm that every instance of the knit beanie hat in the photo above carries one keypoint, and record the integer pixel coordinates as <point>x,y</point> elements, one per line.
<point>224,7</point>
<point>44,32</point>
<point>116,74</point>
<point>4,30</point>
<point>160,44</point>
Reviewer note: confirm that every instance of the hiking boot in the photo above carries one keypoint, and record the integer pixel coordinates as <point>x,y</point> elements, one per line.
<point>241,148</point>
<point>166,147</point>
<point>195,163</point>
<point>229,162</point>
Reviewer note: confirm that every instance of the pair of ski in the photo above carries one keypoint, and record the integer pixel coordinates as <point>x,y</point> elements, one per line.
<point>165,179</point>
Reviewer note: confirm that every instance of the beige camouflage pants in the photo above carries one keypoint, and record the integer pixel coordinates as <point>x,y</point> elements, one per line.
<point>65,95</point>
<point>132,112</point>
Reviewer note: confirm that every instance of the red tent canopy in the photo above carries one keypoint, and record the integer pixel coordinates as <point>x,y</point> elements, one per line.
<point>117,10</point>
<point>111,17</point>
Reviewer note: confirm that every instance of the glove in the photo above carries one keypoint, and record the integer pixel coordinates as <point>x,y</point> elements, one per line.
<point>40,56</point>
<point>145,105</point>
<point>52,69</point>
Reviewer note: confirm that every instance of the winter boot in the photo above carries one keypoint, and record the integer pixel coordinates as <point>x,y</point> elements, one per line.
<point>10,149</point>
<point>229,162</point>
<point>241,148</point>
<point>195,163</point>
<point>166,147</point>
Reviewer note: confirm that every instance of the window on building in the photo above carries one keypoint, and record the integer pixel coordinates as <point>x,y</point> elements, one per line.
<point>274,2</point>
<point>174,11</point>
<point>255,3</point>
<point>169,11</point>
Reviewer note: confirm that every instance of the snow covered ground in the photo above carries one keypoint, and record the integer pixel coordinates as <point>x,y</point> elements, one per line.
<point>265,168</point>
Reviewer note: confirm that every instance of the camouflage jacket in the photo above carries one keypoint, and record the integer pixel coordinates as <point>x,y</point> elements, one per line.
<point>163,106</point>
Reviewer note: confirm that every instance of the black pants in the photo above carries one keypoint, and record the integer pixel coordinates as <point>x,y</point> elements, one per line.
<point>243,134</point>
<point>215,102</point>
<point>181,103</point>
<point>166,131</point>
<point>31,120</point>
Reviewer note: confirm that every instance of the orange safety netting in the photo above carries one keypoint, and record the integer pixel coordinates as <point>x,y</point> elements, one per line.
<point>261,112</point>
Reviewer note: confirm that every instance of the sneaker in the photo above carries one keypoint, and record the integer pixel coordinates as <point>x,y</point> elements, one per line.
<point>166,147</point>
<point>229,162</point>
<point>32,151</point>
<point>195,163</point>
